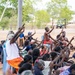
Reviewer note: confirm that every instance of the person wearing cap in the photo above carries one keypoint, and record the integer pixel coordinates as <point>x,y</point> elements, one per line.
<point>5,63</point>
<point>13,57</point>
<point>30,36</point>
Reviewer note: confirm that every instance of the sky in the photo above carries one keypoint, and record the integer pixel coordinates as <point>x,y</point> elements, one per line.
<point>72,4</point>
<point>41,5</point>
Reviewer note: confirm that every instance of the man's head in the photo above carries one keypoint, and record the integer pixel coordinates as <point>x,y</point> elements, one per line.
<point>25,66</point>
<point>57,49</point>
<point>40,64</point>
<point>46,57</point>
<point>10,35</point>
<point>28,58</point>
<point>29,33</point>
<point>63,33</point>
<point>53,55</point>
<point>46,29</point>
<point>72,68</point>
<point>10,32</point>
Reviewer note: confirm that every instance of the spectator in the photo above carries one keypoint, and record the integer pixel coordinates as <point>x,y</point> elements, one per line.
<point>26,69</point>
<point>69,71</point>
<point>38,67</point>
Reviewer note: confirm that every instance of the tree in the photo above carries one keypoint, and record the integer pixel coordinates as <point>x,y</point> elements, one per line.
<point>66,13</point>
<point>4,23</point>
<point>42,16</point>
<point>59,9</point>
<point>27,9</point>
<point>11,8</point>
<point>1,9</point>
<point>13,3</point>
<point>13,22</point>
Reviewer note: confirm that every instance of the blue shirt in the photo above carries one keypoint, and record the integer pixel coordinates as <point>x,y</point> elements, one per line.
<point>37,71</point>
<point>21,35</point>
<point>66,72</point>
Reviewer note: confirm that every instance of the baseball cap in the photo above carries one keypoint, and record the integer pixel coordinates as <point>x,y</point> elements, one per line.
<point>29,33</point>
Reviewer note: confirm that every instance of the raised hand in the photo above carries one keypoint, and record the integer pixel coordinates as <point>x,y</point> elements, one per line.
<point>73,37</point>
<point>21,29</point>
<point>70,40</point>
<point>62,30</point>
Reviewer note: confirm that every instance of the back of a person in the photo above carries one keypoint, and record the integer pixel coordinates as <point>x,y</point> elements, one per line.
<point>25,69</point>
<point>12,51</point>
<point>46,68</point>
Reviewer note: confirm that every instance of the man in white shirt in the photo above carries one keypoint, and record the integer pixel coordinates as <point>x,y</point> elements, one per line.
<point>13,57</point>
<point>47,61</point>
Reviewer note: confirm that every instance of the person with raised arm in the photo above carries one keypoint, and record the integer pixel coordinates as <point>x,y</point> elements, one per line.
<point>47,40</point>
<point>13,57</point>
<point>57,57</point>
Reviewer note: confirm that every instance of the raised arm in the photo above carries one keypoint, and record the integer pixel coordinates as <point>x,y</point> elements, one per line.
<point>61,31</point>
<point>17,34</point>
<point>32,34</point>
<point>50,30</point>
<point>70,41</point>
<point>53,39</point>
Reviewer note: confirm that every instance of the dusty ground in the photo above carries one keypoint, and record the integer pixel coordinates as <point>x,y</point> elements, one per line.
<point>70,31</point>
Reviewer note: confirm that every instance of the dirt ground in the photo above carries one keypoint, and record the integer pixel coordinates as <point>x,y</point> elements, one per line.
<point>70,31</point>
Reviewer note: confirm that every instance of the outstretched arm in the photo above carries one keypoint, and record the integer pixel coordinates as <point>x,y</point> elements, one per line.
<point>53,39</point>
<point>61,31</point>
<point>50,30</point>
<point>17,34</point>
<point>70,41</point>
<point>32,34</point>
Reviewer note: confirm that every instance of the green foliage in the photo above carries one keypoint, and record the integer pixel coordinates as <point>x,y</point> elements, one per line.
<point>56,9</point>
<point>59,9</point>
<point>2,1</point>
<point>42,16</point>
<point>13,22</point>
<point>27,9</point>
<point>4,23</point>
<point>14,3</point>
<point>1,10</point>
<point>9,12</point>
<point>66,13</point>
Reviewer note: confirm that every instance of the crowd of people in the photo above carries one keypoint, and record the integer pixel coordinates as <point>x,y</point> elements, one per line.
<point>26,55</point>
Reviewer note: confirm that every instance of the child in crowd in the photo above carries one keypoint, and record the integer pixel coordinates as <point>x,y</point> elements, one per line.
<point>46,57</point>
